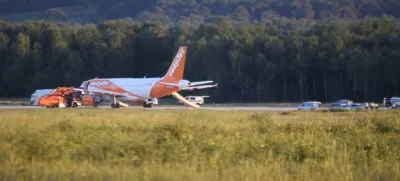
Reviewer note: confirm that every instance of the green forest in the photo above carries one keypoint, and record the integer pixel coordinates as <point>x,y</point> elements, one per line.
<point>194,11</point>
<point>258,51</point>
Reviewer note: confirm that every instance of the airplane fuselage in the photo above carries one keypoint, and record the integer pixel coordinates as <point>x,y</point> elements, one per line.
<point>132,88</point>
<point>129,87</point>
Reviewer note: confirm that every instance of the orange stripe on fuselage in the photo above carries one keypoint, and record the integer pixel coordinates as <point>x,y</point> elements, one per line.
<point>161,90</point>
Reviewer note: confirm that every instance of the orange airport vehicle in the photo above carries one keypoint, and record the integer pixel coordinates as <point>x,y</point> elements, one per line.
<point>67,97</point>
<point>59,97</point>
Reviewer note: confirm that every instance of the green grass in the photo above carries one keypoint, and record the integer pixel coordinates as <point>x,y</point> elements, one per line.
<point>141,144</point>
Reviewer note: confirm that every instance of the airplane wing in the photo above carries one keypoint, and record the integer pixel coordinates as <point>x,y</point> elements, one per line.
<point>101,92</point>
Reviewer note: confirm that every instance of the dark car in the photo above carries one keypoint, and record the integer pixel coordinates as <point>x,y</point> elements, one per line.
<point>343,103</point>
<point>393,102</point>
<point>357,106</point>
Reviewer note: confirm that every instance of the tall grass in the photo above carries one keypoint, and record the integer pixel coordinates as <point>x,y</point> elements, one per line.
<point>129,144</point>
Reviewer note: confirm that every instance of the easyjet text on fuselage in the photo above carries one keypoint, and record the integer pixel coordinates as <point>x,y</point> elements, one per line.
<point>100,83</point>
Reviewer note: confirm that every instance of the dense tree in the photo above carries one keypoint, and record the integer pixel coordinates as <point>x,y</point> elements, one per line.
<point>198,11</point>
<point>287,60</point>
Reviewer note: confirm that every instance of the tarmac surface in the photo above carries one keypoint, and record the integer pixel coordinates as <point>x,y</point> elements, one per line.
<point>165,107</point>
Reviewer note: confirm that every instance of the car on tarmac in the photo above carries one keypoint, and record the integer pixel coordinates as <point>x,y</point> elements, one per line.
<point>199,100</point>
<point>310,105</point>
<point>357,106</point>
<point>343,103</point>
<point>392,102</point>
<point>38,94</point>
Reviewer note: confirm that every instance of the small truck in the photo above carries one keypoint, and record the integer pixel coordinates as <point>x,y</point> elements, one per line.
<point>60,97</point>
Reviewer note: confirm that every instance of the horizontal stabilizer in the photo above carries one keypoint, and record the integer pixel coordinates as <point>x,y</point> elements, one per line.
<point>199,87</point>
<point>200,82</point>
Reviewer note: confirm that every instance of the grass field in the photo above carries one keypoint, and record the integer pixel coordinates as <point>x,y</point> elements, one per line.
<point>135,144</point>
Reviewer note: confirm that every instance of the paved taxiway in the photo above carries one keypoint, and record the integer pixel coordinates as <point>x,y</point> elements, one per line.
<point>165,107</point>
<point>161,107</point>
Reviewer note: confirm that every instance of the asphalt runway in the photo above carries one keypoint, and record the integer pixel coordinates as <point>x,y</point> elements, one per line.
<point>162,107</point>
<point>166,107</point>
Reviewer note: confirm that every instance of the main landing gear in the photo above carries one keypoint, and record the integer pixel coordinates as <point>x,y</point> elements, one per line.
<point>147,103</point>
<point>115,104</point>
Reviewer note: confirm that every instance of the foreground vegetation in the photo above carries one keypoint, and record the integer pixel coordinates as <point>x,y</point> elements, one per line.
<point>129,144</point>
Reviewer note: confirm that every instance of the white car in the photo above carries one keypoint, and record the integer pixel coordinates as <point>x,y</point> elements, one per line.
<point>310,105</point>
<point>39,93</point>
<point>195,99</point>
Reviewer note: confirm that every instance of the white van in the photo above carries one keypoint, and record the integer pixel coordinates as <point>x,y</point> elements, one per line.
<point>195,99</point>
<point>39,93</point>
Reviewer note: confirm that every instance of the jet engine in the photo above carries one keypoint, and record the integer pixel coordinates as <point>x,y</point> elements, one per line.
<point>92,100</point>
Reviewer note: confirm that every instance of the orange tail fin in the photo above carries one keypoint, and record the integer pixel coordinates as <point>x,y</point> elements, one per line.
<point>177,67</point>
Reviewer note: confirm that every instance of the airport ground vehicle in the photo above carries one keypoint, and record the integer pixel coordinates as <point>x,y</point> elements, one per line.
<point>310,105</point>
<point>393,102</point>
<point>68,97</point>
<point>60,97</point>
<point>199,100</point>
<point>37,94</point>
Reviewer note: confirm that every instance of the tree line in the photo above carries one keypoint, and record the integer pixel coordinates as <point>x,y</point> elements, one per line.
<point>197,11</point>
<point>273,62</point>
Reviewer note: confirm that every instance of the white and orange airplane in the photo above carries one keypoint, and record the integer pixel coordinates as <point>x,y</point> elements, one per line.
<point>143,90</point>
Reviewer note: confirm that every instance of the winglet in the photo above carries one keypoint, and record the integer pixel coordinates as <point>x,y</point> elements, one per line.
<point>177,67</point>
